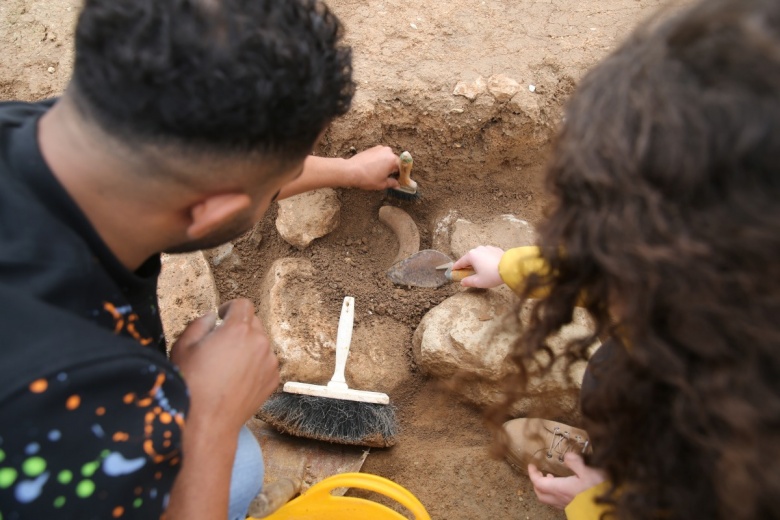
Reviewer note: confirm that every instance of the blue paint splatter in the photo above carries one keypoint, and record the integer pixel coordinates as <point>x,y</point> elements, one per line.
<point>32,448</point>
<point>98,431</point>
<point>62,376</point>
<point>28,490</point>
<point>116,464</point>
<point>125,309</point>
<point>153,493</point>
<point>55,435</point>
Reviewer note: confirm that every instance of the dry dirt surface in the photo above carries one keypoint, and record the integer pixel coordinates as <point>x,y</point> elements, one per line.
<point>483,157</point>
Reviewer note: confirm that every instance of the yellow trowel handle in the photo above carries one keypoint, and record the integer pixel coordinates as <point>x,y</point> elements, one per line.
<point>318,504</point>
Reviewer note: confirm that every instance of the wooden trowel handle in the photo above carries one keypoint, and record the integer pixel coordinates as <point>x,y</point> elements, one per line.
<point>404,176</point>
<point>458,274</point>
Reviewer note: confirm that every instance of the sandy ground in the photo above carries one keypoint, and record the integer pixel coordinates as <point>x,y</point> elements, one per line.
<point>481,158</point>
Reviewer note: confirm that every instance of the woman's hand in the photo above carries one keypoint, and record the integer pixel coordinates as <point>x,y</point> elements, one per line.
<point>484,261</point>
<point>560,491</point>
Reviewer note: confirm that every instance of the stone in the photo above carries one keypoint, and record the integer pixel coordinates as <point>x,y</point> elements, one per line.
<point>308,216</point>
<point>470,89</point>
<point>219,254</point>
<point>466,339</point>
<point>256,235</point>
<point>502,87</point>
<point>405,229</point>
<point>303,334</point>
<point>185,291</point>
<point>442,230</point>
<point>504,231</point>
<point>526,103</point>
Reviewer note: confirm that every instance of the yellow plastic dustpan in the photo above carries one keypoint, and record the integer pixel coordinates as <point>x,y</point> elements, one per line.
<point>318,504</point>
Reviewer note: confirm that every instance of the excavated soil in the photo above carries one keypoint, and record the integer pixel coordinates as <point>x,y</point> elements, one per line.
<point>482,158</point>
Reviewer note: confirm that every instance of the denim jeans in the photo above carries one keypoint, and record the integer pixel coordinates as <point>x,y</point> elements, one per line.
<point>246,481</point>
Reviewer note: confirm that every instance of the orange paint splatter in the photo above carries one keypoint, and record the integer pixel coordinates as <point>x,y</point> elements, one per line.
<point>73,402</point>
<point>39,386</point>
<point>120,437</point>
<point>166,444</point>
<point>158,475</point>
<point>118,511</point>
<point>146,401</point>
<point>119,321</point>
<point>128,398</point>
<point>138,490</point>
<point>167,434</point>
<point>165,418</point>
<point>100,411</point>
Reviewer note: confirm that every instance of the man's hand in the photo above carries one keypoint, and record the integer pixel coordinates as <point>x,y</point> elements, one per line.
<point>560,491</point>
<point>230,370</point>
<point>371,169</point>
<point>484,260</point>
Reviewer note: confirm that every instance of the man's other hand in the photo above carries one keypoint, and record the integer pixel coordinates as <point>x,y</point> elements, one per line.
<point>230,369</point>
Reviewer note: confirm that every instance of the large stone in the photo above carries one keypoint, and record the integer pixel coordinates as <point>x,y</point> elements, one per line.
<point>502,87</point>
<point>470,89</point>
<point>504,231</point>
<point>308,216</point>
<point>466,340</point>
<point>185,291</point>
<point>303,334</point>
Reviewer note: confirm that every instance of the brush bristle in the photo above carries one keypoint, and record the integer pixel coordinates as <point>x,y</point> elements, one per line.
<point>331,420</point>
<point>403,195</point>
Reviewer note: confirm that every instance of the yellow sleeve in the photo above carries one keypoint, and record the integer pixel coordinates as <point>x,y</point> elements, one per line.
<point>584,506</point>
<point>517,264</point>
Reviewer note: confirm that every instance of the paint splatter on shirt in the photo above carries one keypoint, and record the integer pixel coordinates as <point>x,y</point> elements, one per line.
<point>91,410</point>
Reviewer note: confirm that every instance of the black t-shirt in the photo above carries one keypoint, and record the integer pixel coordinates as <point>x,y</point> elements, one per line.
<point>91,410</point>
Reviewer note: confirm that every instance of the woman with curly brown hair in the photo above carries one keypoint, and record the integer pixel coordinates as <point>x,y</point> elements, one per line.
<point>666,228</point>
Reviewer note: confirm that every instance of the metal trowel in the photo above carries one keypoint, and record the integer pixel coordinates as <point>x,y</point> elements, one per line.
<point>428,268</point>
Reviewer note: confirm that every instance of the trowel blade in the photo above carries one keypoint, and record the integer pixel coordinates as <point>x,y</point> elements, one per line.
<point>419,270</point>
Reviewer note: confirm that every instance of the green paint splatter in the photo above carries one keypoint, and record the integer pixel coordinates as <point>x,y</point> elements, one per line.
<point>2,457</point>
<point>65,476</point>
<point>136,503</point>
<point>104,454</point>
<point>7,477</point>
<point>59,502</point>
<point>85,488</point>
<point>33,466</point>
<point>89,468</point>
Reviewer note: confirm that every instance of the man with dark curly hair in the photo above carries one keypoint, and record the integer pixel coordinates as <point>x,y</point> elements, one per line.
<point>183,121</point>
<point>665,226</point>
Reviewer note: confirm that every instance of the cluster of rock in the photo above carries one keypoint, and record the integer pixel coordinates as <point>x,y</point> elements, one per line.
<point>465,340</point>
<point>504,90</point>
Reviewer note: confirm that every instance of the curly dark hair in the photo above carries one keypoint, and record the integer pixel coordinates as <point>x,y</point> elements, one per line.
<point>666,222</point>
<point>225,75</point>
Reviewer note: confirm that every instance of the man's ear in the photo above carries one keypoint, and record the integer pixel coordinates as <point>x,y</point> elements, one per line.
<point>215,211</point>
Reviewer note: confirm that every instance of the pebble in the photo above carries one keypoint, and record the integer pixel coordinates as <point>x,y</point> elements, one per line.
<point>51,70</point>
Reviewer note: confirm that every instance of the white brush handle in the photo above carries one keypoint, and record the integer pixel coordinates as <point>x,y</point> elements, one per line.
<point>343,339</point>
<point>337,387</point>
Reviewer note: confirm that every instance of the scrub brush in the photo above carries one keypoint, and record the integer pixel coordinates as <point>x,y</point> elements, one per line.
<point>334,413</point>
<point>408,189</point>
